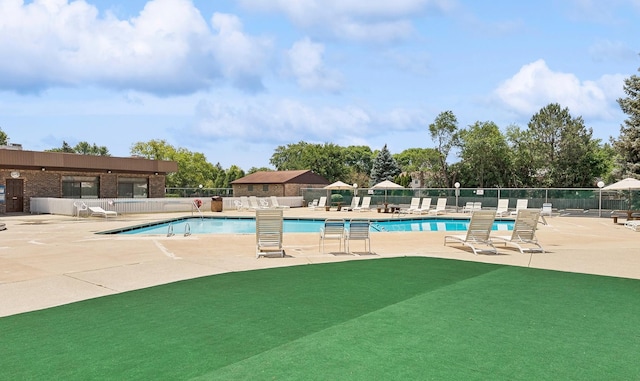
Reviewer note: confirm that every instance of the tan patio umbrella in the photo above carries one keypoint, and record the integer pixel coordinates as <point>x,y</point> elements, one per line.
<point>386,185</point>
<point>338,185</point>
<point>626,184</point>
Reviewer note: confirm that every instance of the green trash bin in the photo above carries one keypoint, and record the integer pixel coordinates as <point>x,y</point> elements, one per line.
<point>216,204</point>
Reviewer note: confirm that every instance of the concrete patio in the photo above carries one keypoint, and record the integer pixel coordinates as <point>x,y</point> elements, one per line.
<point>50,260</point>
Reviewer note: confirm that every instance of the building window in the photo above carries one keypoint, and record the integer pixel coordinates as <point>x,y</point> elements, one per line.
<point>250,188</point>
<point>265,188</point>
<point>80,187</point>
<point>133,187</point>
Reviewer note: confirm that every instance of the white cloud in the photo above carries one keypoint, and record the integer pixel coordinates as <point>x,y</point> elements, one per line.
<point>167,49</point>
<point>283,121</point>
<point>605,50</point>
<point>373,20</point>
<point>306,64</point>
<point>535,86</point>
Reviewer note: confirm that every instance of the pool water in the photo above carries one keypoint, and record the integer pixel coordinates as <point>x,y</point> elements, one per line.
<point>248,226</point>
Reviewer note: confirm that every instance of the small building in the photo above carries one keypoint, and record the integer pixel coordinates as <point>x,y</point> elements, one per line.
<point>27,174</point>
<point>277,183</point>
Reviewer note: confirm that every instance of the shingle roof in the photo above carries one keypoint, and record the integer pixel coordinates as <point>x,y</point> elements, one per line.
<point>303,176</point>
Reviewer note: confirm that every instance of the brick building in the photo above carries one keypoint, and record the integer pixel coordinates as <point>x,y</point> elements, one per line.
<point>277,183</point>
<point>26,174</point>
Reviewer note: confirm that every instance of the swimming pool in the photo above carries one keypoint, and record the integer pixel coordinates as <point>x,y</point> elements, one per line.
<point>217,225</point>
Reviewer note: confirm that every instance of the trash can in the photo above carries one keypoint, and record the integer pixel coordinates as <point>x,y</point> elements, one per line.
<point>216,204</point>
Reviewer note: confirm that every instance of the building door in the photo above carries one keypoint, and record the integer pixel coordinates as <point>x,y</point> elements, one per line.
<point>15,195</point>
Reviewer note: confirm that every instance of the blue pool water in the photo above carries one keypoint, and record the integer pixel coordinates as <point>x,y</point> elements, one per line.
<point>248,226</point>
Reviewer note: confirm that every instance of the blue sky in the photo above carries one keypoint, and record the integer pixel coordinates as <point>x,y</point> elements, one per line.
<point>236,79</point>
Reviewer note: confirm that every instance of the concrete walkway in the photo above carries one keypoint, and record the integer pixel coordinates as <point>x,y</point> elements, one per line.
<point>50,260</point>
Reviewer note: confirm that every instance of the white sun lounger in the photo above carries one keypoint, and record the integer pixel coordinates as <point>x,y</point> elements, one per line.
<point>524,232</point>
<point>98,211</point>
<point>477,233</point>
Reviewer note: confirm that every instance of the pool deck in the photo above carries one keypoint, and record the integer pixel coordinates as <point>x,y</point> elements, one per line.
<point>51,260</point>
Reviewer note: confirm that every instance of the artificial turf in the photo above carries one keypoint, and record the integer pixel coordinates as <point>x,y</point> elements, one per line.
<point>382,319</point>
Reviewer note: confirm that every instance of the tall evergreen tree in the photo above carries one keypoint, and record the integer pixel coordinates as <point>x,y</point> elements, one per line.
<point>384,167</point>
<point>628,144</point>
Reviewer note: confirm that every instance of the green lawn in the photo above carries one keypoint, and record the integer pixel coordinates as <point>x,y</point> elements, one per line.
<point>381,319</point>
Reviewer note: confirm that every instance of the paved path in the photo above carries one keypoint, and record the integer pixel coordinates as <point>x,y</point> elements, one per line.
<point>49,260</point>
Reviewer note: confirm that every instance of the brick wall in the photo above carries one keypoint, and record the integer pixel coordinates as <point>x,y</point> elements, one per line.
<point>49,184</point>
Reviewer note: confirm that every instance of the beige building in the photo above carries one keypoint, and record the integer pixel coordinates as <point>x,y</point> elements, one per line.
<point>277,183</point>
<point>26,174</point>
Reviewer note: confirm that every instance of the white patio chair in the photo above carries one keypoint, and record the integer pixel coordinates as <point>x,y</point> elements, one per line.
<point>333,228</point>
<point>269,232</point>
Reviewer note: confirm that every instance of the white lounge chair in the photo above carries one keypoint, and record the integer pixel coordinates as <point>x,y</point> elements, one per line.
<point>276,204</point>
<point>478,232</point>
<point>354,204</point>
<point>269,232</point>
<point>633,225</point>
<point>441,206</point>
<point>332,229</point>
<point>255,204</point>
<point>358,231</point>
<point>503,207</point>
<point>468,207</point>
<point>322,203</point>
<point>365,206</point>
<point>520,204</point>
<point>547,209</point>
<point>415,205</point>
<point>524,232</point>
<point>425,207</point>
<point>244,200</point>
<point>98,211</point>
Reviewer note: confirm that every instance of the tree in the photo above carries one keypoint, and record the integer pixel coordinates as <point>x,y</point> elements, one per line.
<point>359,161</point>
<point>444,133</point>
<point>65,148</point>
<point>522,170</point>
<point>628,144</point>
<point>87,149</point>
<point>485,156</point>
<point>403,179</point>
<point>193,168</point>
<point>4,139</point>
<point>384,167</point>
<point>233,173</point>
<point>83,148</point>
<point>289,157</point>
<point>563,151</point>
<point>153,149</point>
<point>326,160</point>
<point>421,163</point>
<point>258,169</point>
